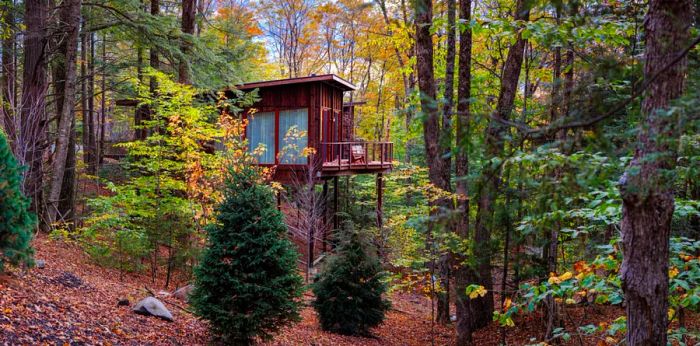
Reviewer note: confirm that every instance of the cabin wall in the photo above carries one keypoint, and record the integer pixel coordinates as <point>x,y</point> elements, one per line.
<point>319,98</point>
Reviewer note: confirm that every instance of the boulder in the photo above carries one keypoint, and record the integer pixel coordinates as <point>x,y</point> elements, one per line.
<point>151,306</point>
<point>183,293</point>
<point>40,264</point>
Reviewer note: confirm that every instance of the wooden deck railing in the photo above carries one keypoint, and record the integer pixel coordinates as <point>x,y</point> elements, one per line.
<point>357,155</point>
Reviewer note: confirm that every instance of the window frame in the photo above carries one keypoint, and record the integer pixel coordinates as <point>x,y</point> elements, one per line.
<point>277,110</point>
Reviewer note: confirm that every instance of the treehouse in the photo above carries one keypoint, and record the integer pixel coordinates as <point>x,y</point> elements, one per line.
<point>308,136</point>
<point>308,112</point>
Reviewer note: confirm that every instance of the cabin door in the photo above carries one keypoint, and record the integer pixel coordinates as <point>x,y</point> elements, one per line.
<point>331,134</point>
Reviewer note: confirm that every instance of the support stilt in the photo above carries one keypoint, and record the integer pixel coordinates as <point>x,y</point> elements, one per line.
<point>336,221</point>
<point>279,200</point>
<point>325,216</point>
<point>380,195</point>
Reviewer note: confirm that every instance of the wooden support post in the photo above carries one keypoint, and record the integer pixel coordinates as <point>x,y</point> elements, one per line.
<point>279,200</point>
<point>312,239</point>
<point>336,221</point>
<point>380,193</point>
<point>325,215</point>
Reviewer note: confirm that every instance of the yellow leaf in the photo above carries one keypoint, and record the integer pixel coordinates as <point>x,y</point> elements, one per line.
<point>479,292</point>
<point>673,272</point>
<point>671,313</point>
<point>580,276</point>
<point>507,303</point>
<point>509,322</point>
<point>553,278</point>
<point>566,276</point>
<point>570,301</point>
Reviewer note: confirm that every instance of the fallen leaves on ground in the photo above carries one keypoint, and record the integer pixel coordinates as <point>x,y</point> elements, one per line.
<point>74,301</point>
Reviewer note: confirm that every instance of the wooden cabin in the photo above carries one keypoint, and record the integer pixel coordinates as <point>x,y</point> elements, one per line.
<point>312,106</point>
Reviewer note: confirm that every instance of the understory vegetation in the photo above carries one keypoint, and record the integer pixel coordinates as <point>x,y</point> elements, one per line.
<point>545,161</point>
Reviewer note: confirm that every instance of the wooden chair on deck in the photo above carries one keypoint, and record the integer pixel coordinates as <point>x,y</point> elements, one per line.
<point>357,154</point>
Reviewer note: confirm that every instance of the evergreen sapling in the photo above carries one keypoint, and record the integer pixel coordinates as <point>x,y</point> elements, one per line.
<point>349,289</point>
<point>16,222</point>
<point>247,284</point>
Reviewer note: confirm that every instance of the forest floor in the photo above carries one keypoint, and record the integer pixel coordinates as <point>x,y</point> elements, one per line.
<point>74,301</point>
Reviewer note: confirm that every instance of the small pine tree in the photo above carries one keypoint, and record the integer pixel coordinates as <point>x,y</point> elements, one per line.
<point>16,222</point>
<point>247,284</point>
<point>349,289</point>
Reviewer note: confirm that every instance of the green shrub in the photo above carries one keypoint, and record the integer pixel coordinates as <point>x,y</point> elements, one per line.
<point>16,222</point>
<point>349,289</point>
<point>247,284</point>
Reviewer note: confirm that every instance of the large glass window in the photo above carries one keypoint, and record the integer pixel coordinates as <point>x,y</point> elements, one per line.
<point>260,133</point>
<point>293,136</point>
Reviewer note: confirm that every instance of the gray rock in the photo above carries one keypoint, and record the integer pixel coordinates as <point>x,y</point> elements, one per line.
<point>151,306</point>
<point>183,293</point>
<point>41,264</point>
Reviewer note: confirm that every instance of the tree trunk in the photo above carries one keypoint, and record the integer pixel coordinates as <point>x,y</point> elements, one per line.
<point>154,61</point>
<point>489,184</point>
<point>84,98</point>
<point>7,74</point>
<point>70,21</point>
<point>103,105</point>
<point>31,142</point>
<point>443,303</point>
<point>66,204</point>
<point>464,275</point>
<point>551,250</point>
<point>436,145</point>
<point>92,123</point>
<point>646,189</point>
<point>188,15</point>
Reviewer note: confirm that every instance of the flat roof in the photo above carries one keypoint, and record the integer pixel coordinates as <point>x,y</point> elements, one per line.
<point>326,78</point>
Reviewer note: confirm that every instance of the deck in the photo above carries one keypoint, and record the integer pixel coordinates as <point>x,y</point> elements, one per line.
<point>349,158</point>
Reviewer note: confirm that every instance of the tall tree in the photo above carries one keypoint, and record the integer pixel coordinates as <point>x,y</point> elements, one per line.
<point>189,8</point>
<point>8,71</point>
<point>286,23</point>
<point>443,306</point>
<point>84,96</point>
<point>70,24</point>
<point>30,142</point>
<point>436,146</point>
<point>647,185</point>
<point>463,274</point>
<point>489,184</point>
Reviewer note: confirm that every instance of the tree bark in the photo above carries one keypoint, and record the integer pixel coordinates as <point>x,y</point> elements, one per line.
<point>8,72</point>
<point>66,205</point>
<point>464,275</point>
<point>646,187</point>
<point>489,184</point>
<point>553,245</point>
<point>31,143</point>
<point>84,98</point>
<point>435,145</point>
<point>443,303</point>
<point>103,105</point>
<point>92,115</point>
<point>70,21</point>
<point>188,15</point>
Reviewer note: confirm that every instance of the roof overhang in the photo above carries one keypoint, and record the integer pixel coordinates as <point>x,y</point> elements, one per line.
<point>330,79</point>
